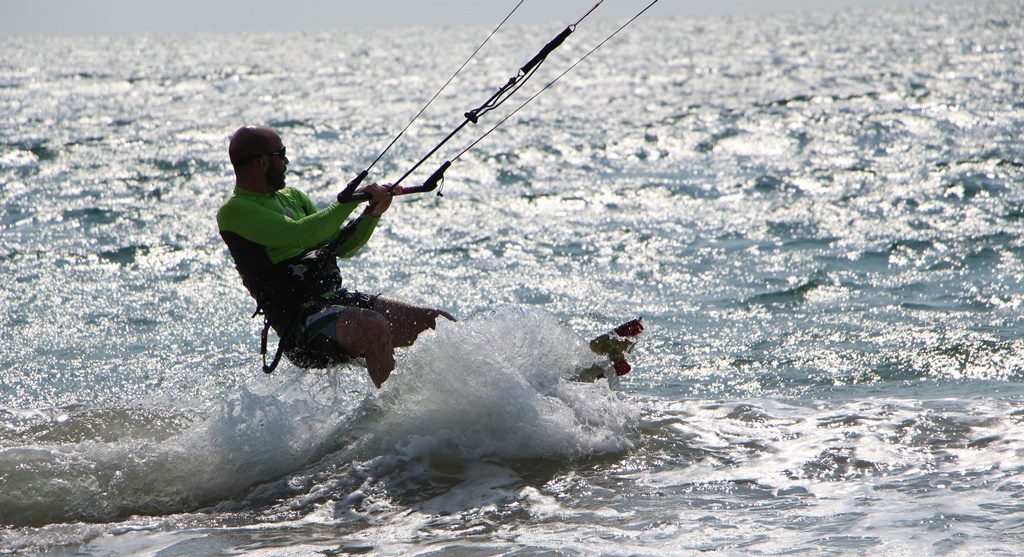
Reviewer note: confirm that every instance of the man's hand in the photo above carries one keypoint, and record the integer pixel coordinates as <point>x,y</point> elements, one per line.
<point>380,198</point>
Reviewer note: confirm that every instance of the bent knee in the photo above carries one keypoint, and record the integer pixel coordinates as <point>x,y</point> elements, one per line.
<point>363,329</point>
<point>374,325</point>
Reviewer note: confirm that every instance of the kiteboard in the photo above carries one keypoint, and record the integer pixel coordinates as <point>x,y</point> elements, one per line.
<point>614,345</point>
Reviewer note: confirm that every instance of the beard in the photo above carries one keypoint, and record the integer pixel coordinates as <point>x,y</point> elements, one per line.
<point>275,178</point>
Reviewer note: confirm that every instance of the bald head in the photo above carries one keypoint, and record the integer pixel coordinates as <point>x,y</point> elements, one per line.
<point>259,160</point>
<point>250,142</point>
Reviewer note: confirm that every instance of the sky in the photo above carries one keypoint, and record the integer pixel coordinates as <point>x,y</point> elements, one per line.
<point>116,17</point>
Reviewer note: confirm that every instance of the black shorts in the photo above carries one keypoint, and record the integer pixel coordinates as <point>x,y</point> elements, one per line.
<point>317,344</point>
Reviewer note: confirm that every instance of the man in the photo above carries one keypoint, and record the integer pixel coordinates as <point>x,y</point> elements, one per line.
<point>270,230</point>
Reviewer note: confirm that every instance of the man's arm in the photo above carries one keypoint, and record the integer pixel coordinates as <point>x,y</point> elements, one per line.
<point>356,234</point>
<point>267,227</point>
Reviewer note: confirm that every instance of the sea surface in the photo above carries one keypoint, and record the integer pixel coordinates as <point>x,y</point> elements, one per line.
<point>820,217</point>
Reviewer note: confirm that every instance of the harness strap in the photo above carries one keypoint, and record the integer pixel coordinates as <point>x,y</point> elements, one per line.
<point>263,340</point>
<point>263,349</point>
<point>264,334</point>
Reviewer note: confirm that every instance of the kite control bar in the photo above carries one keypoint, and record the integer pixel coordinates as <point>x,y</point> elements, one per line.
<point>430,184</point>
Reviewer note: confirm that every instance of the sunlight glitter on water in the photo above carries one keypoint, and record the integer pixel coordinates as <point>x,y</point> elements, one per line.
<point>822,230</point>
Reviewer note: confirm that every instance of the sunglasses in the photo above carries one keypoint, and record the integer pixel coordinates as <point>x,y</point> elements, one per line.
<point>280,152</point>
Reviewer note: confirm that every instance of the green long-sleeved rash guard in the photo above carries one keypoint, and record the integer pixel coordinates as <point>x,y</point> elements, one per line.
<point>287,223</point>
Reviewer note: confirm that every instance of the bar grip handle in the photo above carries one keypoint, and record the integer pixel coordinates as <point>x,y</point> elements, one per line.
<point>430,184</point>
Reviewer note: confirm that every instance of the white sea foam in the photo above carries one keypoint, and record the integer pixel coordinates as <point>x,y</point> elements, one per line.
<point>495,386</point>
<point>256,437</point>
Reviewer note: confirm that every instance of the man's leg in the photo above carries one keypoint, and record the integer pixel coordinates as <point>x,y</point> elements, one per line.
<point>363,332</point>
<point>406,320</point>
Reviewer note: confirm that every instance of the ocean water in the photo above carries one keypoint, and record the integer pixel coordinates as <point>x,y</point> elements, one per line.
<point>820,217</point>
